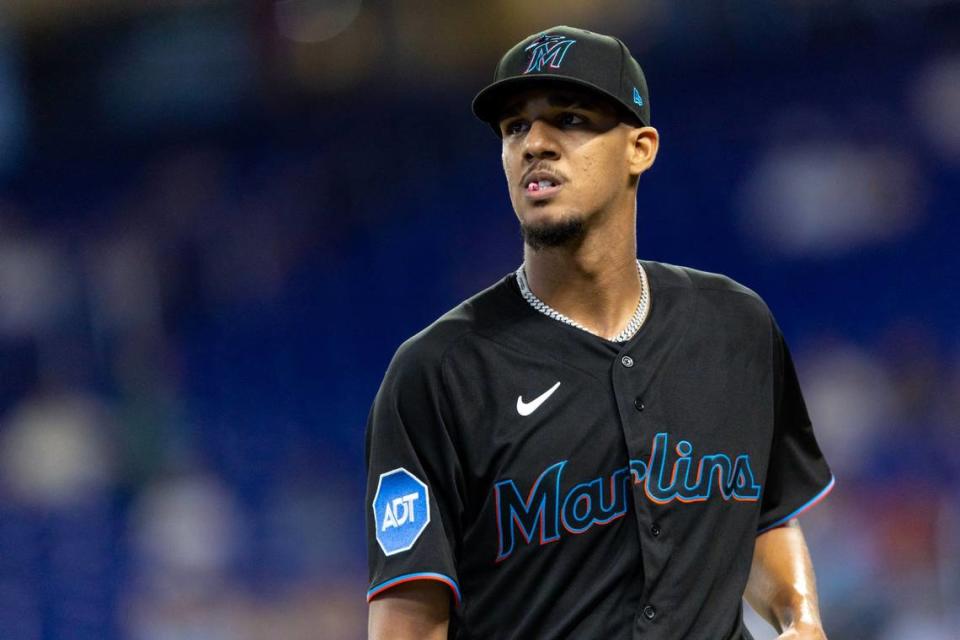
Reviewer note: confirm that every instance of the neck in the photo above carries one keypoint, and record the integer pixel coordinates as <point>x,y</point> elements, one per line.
<point>595,283</point>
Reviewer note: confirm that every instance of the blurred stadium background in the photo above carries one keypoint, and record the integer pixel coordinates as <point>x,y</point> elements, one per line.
<point>219,219</point>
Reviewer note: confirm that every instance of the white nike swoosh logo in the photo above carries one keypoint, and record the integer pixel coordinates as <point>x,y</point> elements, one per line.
<point>526,408</point>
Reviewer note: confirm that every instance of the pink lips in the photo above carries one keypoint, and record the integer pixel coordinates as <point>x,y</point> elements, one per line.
<point>541,182</point>
<point>535,192</point>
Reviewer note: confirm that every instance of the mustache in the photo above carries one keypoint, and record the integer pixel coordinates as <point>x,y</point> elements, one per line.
<point>542,171</point>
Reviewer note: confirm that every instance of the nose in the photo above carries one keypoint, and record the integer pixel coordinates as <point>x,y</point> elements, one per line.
<point>539,142</point>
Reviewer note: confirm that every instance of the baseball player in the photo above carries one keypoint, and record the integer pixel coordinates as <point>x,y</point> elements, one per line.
<point>595,446</point>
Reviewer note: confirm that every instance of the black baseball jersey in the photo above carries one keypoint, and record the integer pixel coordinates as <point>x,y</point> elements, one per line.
<point>566,486</point>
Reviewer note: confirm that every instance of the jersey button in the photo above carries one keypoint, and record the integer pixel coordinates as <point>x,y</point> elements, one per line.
<point>638,403</point>
<point>649,612</point>
<point>655,530</point>
<point>626,361</point>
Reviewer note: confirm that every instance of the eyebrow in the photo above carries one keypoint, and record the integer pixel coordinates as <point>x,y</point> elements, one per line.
<point>562,100</point>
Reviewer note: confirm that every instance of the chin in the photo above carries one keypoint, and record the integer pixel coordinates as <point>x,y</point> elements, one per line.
<point>541,232</point>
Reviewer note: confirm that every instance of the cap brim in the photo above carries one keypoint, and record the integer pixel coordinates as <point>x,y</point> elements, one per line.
<point>488,105</point>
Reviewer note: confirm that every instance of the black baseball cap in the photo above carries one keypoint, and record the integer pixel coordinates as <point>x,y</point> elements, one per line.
<point>566,55</point>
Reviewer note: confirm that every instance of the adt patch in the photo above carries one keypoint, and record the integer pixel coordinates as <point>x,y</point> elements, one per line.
<point>401,510</point>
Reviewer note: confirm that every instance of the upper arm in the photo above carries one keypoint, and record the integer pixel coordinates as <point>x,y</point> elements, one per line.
<point>416,610</point>
<point>414,502</point>
<point>797,474</point>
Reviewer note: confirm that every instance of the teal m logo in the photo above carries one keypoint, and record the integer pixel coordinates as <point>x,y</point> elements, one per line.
<point>547,50</point>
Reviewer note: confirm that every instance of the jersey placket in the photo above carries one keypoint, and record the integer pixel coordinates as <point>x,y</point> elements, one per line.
<point>630,379</point>
<point>634,375</point>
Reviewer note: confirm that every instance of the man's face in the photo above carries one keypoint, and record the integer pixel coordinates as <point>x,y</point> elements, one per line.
<point>565,156</point>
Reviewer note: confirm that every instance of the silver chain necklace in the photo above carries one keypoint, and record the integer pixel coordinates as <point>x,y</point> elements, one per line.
<point>636,320</point>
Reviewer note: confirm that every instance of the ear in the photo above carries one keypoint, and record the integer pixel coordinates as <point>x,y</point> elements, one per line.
<point>642,149</point>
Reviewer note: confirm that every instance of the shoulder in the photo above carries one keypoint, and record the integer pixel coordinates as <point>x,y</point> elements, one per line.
<point>677,276</point>
<point>715,296</point>
<point>695,280</point>
<point>484,313</point>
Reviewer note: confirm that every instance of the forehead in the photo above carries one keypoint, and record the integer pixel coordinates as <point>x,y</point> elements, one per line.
<point>564,97</point>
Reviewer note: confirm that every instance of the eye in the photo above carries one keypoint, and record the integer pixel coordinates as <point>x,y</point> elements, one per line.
<point>568,119</point>
<point>513,127</point>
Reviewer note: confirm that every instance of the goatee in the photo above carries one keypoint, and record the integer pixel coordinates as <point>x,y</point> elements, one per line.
<point>553,234</point>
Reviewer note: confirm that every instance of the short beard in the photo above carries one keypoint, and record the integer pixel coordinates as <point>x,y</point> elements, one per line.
<point>554,234</point>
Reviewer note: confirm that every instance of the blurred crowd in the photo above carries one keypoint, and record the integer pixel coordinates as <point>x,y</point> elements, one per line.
<point>200,291</point>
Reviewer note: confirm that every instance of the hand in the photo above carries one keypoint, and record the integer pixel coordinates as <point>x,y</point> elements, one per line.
<point>803,631</point>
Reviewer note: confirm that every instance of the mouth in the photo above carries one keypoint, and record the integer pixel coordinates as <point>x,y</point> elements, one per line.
<point>539,185</point>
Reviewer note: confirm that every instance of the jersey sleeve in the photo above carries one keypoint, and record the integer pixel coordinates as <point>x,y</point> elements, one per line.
<point>798,476</point>
<point>413,498</point>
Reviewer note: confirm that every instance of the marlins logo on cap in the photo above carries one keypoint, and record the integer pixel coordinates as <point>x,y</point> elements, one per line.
<point>548,49</point>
